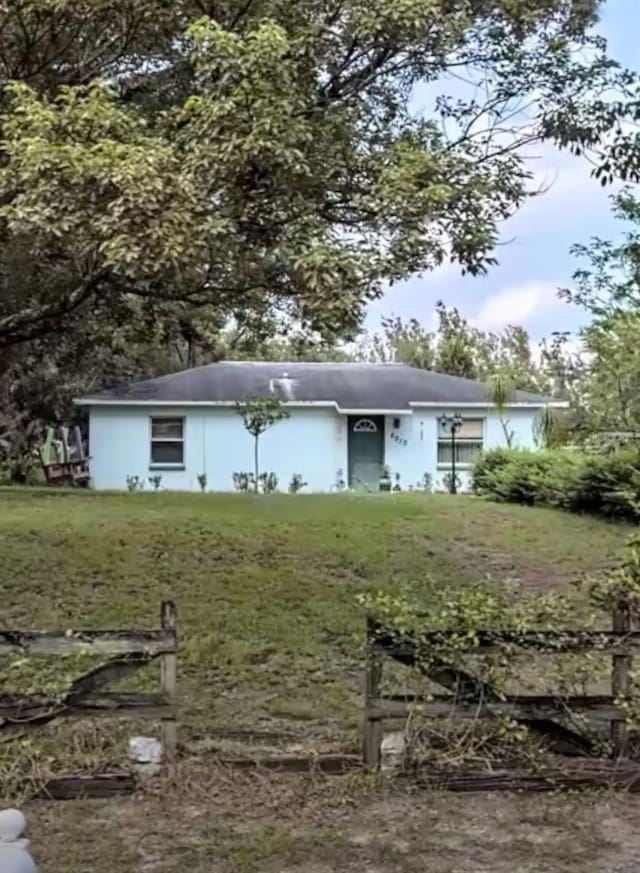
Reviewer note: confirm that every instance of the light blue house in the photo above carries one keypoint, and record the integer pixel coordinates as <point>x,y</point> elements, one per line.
<point>346,423</point>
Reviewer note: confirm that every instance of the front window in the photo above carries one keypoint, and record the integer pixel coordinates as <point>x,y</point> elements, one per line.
<point>468,440</point>
<point>167,441</point>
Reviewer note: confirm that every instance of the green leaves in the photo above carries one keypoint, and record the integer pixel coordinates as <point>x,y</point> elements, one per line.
<point>605,485</point>
<point>500,390</point>
<point>271,161</point>
<point>260,413</point>
<point>86,176</point>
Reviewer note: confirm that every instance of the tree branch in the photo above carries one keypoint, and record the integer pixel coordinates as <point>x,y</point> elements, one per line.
<point>26,323</point>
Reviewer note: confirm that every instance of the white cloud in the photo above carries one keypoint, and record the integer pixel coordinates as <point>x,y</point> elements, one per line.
<point>520,304</point>
<point>565,192</point>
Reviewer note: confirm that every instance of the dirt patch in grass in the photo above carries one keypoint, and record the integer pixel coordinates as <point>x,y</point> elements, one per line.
<point>499,565</point>
<point>541,549</point>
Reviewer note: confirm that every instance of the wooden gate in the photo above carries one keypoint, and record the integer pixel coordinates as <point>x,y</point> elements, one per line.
<point>89,695</point>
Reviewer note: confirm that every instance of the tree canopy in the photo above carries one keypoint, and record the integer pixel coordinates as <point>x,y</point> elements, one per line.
<point>458,348</point>
<point>265,157</point>
<point>607,284</point>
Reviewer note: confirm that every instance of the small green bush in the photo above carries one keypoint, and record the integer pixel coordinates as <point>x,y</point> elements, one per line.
<point>486,464</point>
<point>607,485</point>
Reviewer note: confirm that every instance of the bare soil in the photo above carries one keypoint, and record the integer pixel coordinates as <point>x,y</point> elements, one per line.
<point>206,819</point>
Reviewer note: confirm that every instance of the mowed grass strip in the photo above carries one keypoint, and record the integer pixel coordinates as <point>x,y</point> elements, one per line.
<point>266,586</point>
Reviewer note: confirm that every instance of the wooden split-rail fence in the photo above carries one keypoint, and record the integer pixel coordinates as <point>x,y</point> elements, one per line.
<point>471,698</point>
<point>89,695</point>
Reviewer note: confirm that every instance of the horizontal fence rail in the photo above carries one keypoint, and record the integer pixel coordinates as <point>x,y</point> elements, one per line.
<point>98,642</point>
<point>472,698</point>
<point>533,707</point>
<point>488,641</point>
<point>88,696</point>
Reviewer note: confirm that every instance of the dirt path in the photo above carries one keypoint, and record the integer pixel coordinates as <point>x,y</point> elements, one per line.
<point>525,568</point>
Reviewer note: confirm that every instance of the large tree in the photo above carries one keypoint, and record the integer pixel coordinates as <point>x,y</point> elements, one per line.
<point>607,284</point>
<point>264,156</point>
<point>612,386</point>
<point>608,279</point>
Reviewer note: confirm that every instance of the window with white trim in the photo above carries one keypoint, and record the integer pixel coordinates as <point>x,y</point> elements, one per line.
<point>167,441</point>
<point>469,440</point>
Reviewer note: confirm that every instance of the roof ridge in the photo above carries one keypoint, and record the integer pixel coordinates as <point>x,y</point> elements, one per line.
<point>318,363</point>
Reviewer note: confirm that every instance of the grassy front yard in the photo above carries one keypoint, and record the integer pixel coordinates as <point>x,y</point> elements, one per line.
<point>266,588</point>
<point>269,637</point>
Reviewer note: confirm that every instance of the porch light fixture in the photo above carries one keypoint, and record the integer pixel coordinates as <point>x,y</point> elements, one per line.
<point>451,423</point>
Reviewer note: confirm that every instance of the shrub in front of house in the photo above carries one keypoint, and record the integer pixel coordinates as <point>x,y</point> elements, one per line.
<point>522,479</point>
<point>607,485</point>
<point>486,464</point>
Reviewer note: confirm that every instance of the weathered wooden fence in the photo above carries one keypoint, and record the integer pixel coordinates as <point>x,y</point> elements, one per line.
<point>472,698</point>
<point>88,696</point>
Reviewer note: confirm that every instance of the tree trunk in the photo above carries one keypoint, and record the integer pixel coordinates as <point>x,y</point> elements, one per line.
<point>508,434</point>
<point>256,465</point>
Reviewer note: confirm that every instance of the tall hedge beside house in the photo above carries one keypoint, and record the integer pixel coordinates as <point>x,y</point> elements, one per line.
<point>607,485</point>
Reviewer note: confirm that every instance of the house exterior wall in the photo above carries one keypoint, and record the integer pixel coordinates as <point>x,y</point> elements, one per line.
<point>420,430</point>
<point>312,442</point>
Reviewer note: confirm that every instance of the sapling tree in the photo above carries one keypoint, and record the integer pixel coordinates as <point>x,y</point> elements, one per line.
<point>258,415</point>
<point>500,392</point>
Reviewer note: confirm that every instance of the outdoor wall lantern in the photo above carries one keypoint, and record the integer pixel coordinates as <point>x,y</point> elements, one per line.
<point>451,423</point>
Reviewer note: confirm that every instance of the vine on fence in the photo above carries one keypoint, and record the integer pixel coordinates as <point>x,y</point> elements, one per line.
<point>416,613</point>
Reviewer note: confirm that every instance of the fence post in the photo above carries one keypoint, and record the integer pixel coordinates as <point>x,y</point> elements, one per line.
<point>620,678</point>
<point>372,739</point>
<point>168,676</point>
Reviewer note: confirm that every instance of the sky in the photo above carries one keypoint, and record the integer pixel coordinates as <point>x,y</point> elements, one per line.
<point>534,255</point>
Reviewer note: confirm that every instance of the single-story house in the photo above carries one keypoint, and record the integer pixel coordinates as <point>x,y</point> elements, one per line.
<point>346,423</point>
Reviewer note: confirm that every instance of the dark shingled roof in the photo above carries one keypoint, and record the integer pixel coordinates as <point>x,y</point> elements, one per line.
<point>350,386</point>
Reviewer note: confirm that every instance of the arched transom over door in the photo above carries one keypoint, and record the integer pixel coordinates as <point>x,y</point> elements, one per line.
<point>366,451</point>
<point>365,425</point>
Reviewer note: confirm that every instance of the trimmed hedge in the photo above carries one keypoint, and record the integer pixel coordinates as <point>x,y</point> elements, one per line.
<point>607,485</point>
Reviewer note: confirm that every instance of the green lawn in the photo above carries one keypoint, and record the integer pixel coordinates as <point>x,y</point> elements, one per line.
<point>270,636</point>
<point>266,587</point>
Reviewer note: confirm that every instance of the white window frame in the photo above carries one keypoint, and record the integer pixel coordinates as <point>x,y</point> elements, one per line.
<point>166,465</point>
<point>445,442</point>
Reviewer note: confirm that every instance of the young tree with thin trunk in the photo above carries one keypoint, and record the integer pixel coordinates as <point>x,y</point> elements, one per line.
<point>500,394</point>
<point>258,415</point>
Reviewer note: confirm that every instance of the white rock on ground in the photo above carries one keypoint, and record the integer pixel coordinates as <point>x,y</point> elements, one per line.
<point>392,752</point>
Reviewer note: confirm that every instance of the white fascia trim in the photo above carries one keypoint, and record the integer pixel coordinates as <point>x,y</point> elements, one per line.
<point>88,401</point>
<point>322,404</point>
<point>556,404</point>
<point>393,412</point>
<point>177,404</point>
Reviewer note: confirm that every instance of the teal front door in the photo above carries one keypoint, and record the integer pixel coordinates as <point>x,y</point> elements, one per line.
<point>366,451</point>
